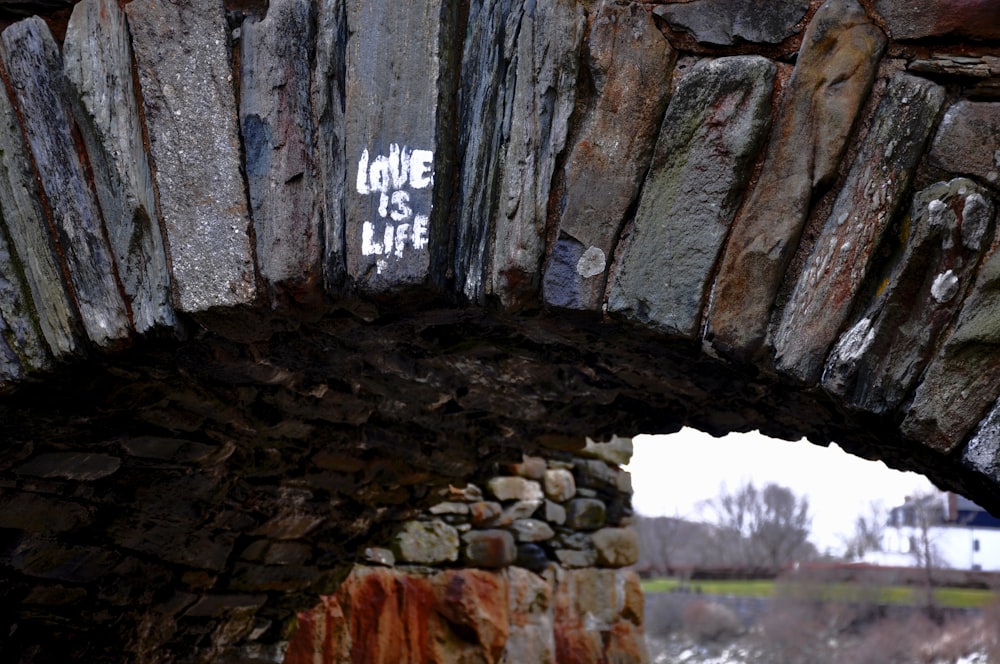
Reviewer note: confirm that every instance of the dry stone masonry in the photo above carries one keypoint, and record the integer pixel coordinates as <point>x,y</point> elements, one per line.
<point>274,274</point>
<point>524,567</point>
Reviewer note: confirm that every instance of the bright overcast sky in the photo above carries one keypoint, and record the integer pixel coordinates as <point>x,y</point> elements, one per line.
<point>672,474</point>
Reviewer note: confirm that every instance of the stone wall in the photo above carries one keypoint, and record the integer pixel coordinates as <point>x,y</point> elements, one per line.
<point>524,568</point>
<point>272,273</point>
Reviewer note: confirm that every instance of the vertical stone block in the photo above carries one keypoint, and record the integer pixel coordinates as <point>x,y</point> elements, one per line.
<point>832,78</point>
<point>276,119</point>
<point>542,91</point>
<point>872,191</point>
<point>962,382</point>
<point>97,60</point>
<point>483,96</point>
<point>968,140</point>
<point>35,71</point>
<point>624,53</point>
<point>327,95</point>
<point>877,362</point>
<point>399,75</point>
<point>711,133</point>
<point>182,55</point>
<point>21,343</point>
<point>31,249</point>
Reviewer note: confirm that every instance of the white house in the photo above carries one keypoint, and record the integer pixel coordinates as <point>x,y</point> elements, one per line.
<point>954,531</point>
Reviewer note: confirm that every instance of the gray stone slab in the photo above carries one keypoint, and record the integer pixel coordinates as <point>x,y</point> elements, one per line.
<point>276,119</point>
<point>979,19</point>
<point>35,71</point>
<point>610,152</point>
<point>542,78</point>
<point>97,60</point>
<point>399,73</point>
<point>22,345</point>
<point>327,94</point>
<point>841,257</point>
<point>832,78</point>
<point>962,382</point>
<point>727,22</point>
<point>29,234</point>
<point>482,97</point>
<point>182,56</point>
<point>712,131</point>
<point>877,362</point>
<point>968,140</point>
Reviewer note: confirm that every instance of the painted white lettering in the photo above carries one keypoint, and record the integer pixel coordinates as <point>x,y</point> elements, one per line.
<point>363,174</point>
<point>400,206</point>
<point>368,245</point>
<point>399,165</point>
<point>421,169</point>
<point>383,205</point>
<point>379,174</point>
<point>402,235</point>
<point>390,230</point>
<point>420,231</point>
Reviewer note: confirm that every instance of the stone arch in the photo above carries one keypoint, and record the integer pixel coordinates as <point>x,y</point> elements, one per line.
<point>418,241</point>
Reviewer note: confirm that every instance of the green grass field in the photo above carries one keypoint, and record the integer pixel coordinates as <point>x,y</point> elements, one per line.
<point>843,592</point>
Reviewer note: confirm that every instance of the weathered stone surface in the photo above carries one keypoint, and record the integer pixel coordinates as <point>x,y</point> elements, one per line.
<point>531,636</point>
<point>555,513</point>
<point>962,381</point>
<point>591,473</point>
<point>968,140</point>
<point>484,511</point>
<point>979,19</point>
<point>398,81</point>
<point>616,547</point>
<point>475,605</point>
<point>97,59</point>
<point>32,248</point>
<point>542,78</point>
<point>37,513</point>
<point>532,556</point>
<point>624,53</point>
<point>515,488</point>
<point>833,75</point>
<point>726,22</point>
<point>618,450</point>
<point>590,625</point>
<point>483,96</point>
<point>377,555</point>
<point>877,362</point>
<point>864,208</point>
<point>276,121</point>
<point>521,509</point>
<point>426,542</point>
<point>559,484</point>
<point>711,133</point>
<point>489,548</point>
<point>71,465</point>
<point>585,514</point>
<point>34,68</point>
<point>982,453</point>
<point>21,343</point>
<point>530,467</point>
<point>449,508</point>
<point>327,94</point>
<point>190,110</point>
<point>574,559</point>
<point>531,530</point>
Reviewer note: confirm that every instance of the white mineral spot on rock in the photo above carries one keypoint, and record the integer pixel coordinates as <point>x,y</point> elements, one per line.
<point>592,263</point>
<point>976,215</point>
<point>944,287</point>
<point>855,342</point>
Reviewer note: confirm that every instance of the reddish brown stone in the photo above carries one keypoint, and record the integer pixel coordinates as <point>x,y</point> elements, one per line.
<point>979,19</point>
<point>833,75</point>
<point>475,605</point>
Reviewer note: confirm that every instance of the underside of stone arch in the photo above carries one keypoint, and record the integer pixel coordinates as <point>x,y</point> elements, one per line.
<point>273,272</point>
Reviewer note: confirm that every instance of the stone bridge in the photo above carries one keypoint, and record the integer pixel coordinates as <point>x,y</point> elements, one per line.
<point>273,271</point>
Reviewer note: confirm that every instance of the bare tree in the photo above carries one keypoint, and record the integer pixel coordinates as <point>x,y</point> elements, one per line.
<point>869,529</point>
<point>762,528</point>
